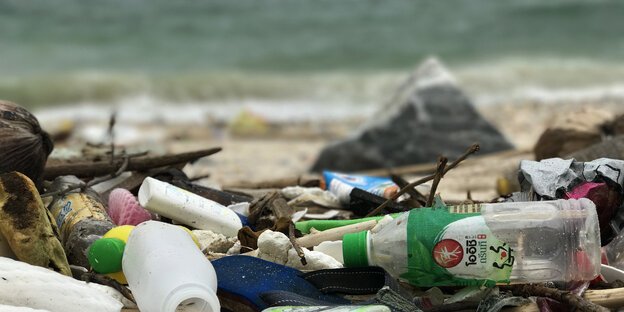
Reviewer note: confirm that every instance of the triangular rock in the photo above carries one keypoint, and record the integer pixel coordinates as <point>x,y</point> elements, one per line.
<point>428,116</point>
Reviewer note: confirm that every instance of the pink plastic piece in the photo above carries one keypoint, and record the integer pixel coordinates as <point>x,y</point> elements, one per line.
<point>124,209</point>
<point>582,190</point>
<point>606,199</point>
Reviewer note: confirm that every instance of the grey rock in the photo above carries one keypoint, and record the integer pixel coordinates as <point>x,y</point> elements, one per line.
<point>428,116</point>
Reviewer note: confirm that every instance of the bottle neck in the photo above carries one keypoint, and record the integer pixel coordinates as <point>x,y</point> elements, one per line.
<point>355,249</point>
<point>193,297</point>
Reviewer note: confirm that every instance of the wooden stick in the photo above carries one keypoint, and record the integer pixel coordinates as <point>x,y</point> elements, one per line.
<point>610,298</point>
<point>293,241</point>
<point>473,148</point>
<point>334,234</point>
<point>305,181</point>
<point>431,167</point>
<point>436,179</point>
<point>99,168</point>
<point>578,302</point>
<point>415,196</point>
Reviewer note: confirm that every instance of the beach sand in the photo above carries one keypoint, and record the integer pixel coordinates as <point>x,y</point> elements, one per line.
<point>273,151</point>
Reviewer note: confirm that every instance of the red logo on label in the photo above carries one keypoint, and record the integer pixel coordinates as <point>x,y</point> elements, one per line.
<point>448,253</point>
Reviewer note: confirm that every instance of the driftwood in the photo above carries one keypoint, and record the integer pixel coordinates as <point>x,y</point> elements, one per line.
<point>306,181</point>
<point>426,168</point>
<point>99,168</point>
<point>575,301</point>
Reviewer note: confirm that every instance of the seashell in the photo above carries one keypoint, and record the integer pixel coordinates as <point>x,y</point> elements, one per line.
<point>25,146</point>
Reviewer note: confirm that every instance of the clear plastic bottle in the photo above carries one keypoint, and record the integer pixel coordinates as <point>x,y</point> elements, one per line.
<point>613,252</point>
<point>165,270</point>
<point>486,243</point>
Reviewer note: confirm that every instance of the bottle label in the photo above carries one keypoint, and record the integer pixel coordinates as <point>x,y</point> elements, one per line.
<point>454,246</point>
<point>73,208</point>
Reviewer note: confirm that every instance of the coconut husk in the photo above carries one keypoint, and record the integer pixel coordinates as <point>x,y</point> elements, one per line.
<point>25,146</point>
<point>27,225</point>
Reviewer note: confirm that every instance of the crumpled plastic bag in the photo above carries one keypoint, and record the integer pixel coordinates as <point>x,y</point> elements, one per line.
<point>553,177</point>
<point>298,196</point>
<point>31,286</point>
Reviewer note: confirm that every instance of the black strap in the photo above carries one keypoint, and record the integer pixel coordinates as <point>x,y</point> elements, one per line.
<point>354,281</point>
<point>350,281</point>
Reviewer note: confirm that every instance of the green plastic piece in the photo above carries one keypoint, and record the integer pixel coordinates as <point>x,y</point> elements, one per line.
<point>105,255</point>
<point>354,251</point>
<point>322,225</point>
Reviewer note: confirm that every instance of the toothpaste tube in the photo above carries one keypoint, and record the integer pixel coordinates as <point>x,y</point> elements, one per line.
<point>341,185</point>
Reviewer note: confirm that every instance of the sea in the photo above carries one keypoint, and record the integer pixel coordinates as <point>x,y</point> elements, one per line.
<point>184,60</point>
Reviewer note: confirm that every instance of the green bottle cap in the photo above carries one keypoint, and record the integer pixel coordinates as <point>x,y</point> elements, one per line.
<point>105,255</point>
<point>354,251</point>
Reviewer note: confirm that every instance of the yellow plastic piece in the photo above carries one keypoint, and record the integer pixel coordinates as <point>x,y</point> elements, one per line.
<point>120,232</point>
<point>192,235</point>
<point>118,276</point>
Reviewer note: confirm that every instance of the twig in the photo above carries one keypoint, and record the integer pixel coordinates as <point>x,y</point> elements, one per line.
<point>84,186</point>
<point>293,241</point>
<point>577,302</point>
<point>99,168</point>
<point>111,133</point>
<point>113,175</point>
<point>199,177</point>
<point>107,281</point>
<point>442,160</point>
<point>473,148</point>
<point>413,193</point>
<point>93,182</point>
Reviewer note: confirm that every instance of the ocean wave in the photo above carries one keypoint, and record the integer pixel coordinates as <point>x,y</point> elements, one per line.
<point>503,81</point>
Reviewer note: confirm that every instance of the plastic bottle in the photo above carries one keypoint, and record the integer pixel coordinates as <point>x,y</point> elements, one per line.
<point>613,252</point>
<point>165,270</point>
<point>341,185</point>
<point>191,209</point>
<point>485,244</point>
<point>81,219</point>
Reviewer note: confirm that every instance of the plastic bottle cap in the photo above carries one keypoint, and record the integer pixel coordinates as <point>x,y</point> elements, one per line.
<point>105,255</point>
<point>354,249</point>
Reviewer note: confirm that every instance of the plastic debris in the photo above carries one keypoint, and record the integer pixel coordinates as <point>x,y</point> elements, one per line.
<point>124,208</point>
<point>35,287</point>
<point>80,217</point>
<point>484,244</point>
<point>299,196</point>
<point>191,209</point>
<point>184,278</point>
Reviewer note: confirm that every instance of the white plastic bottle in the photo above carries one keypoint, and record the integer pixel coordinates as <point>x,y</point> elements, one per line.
<point>487,243</point>
<point>191,209</point>
<point>165,270</point>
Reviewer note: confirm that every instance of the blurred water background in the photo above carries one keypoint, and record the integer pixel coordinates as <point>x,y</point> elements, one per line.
<point>290,58</point>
